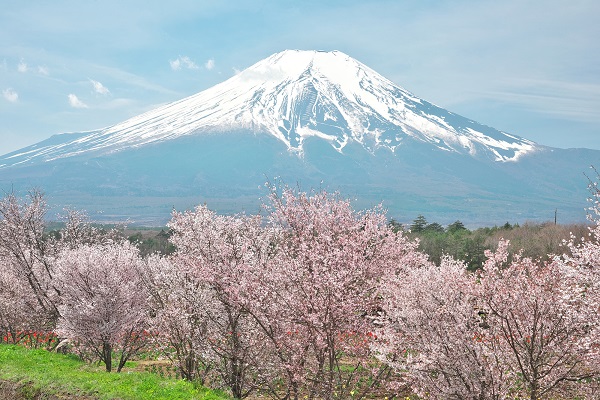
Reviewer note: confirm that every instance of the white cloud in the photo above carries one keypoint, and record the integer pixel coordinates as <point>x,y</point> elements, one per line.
<point>183,61</point>
<point>10,95</point>
<point>22,67</point>
<point>75,102</point>
<point>175,64</point>
<point>99,87</point>
<point>210,64</point>
<point>42,70</point>
<point>236,71</point>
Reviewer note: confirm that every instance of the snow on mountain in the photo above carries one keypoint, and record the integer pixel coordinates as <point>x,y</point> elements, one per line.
<point>294,95</point>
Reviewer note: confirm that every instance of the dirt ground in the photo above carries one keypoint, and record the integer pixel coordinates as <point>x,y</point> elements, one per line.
<point>23,391</point>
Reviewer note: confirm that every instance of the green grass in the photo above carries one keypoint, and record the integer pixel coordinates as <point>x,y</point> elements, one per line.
<point>56,374</point>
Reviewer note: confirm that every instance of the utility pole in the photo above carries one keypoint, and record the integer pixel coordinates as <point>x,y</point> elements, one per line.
<point>555,212</point>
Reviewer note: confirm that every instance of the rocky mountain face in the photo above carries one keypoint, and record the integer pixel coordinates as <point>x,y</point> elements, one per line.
<point>313,119</point>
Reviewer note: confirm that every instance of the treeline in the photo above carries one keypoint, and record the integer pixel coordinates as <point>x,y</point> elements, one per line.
<point>539,241</point>
<point>309,299</point>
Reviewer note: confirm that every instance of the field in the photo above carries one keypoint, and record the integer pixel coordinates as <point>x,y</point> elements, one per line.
<point>39,374</point>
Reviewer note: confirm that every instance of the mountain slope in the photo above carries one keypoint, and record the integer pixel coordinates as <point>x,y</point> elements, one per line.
<point>315,119</point>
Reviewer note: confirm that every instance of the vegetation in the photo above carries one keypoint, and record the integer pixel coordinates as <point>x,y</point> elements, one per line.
<point>311,299</point>
<point>538,241</point>
<point>40,374</point>
<point>150,241</point>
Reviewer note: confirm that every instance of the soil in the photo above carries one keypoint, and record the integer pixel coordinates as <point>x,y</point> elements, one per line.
<point>24,391</point>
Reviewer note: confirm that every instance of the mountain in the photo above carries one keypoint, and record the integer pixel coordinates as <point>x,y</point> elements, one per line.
<point>312,118</point>
<point>294,95</point>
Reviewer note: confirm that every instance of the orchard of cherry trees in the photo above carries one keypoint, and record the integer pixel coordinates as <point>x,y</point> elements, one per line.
<point>309,299</point>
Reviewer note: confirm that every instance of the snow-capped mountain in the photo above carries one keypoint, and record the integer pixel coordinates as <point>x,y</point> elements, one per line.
<point>318,119</point>
<point>294,95</point>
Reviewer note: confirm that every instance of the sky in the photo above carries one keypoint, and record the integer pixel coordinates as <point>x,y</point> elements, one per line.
<point>528,67</point>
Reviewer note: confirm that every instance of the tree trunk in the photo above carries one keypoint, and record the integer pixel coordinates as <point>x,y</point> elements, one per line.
<point>107,355</point>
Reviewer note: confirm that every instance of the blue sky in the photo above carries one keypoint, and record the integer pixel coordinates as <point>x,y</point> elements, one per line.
<point>531,68</point>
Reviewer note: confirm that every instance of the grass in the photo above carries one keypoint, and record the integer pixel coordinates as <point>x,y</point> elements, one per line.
<point>41,372</point>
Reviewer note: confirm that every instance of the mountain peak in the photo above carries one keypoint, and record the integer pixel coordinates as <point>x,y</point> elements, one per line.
<point>294,95</point>
<point>295,62</point>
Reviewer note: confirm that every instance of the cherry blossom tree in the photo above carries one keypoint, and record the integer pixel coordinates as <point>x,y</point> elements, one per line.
<point>433,333</point>
<point>519,329</point>
<point>79,230</point>
<point>102,309</point>
<point>26,255</point>
<point>540,315</point>
<point>20,312</point>
<point>583,258</point>
<point>315,298</point>
<point>177,308</point>
<point>213,258</point>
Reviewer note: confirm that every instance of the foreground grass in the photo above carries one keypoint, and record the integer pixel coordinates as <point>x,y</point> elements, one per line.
<point>42,372</point>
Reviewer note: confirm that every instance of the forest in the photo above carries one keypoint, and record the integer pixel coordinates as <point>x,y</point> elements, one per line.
<point>311,299</point>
